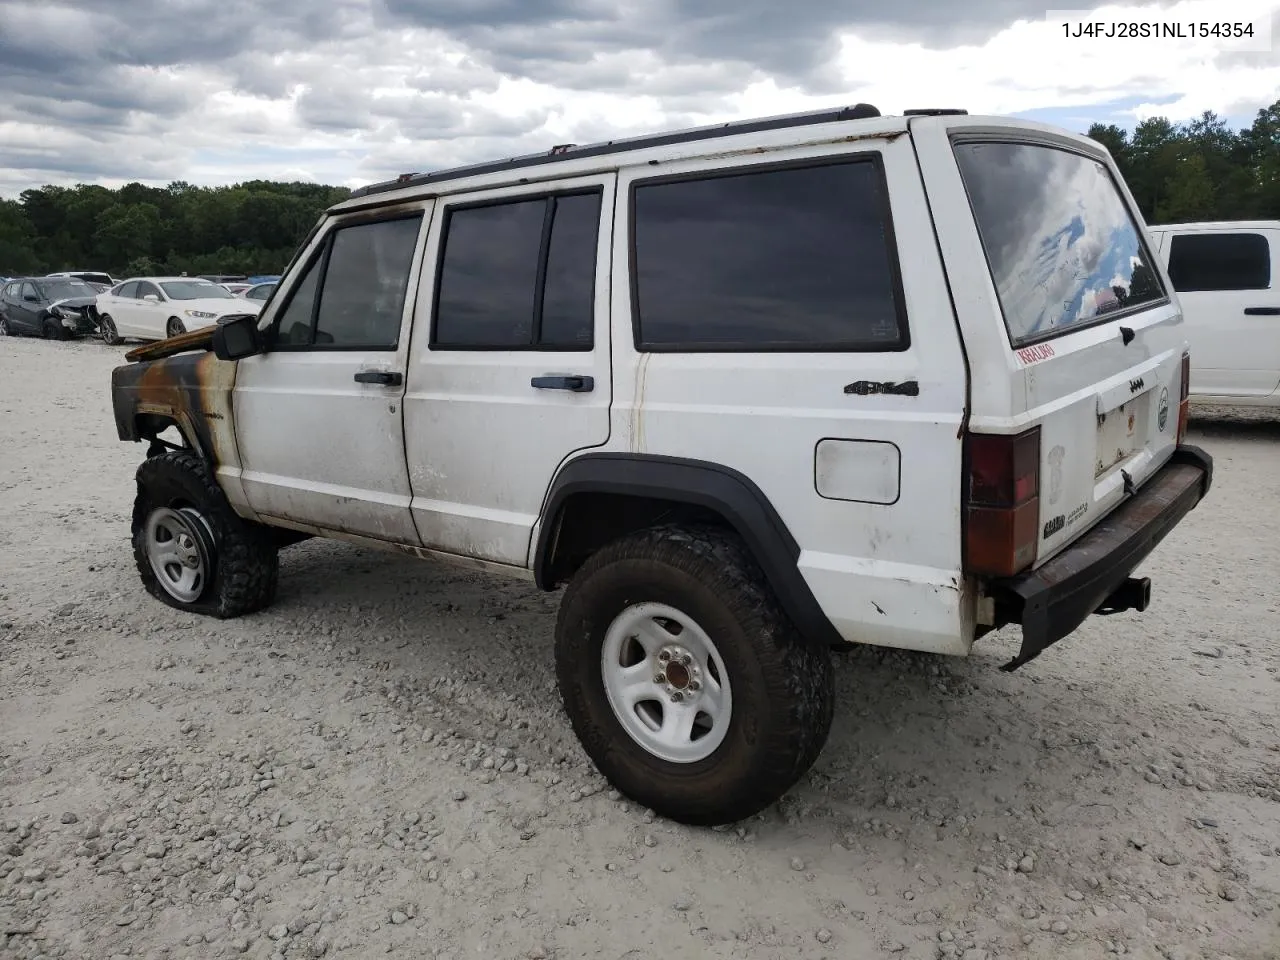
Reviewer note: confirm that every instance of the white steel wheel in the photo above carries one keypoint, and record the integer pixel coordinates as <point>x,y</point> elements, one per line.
<point>666,682</point>
<point>179,545</point>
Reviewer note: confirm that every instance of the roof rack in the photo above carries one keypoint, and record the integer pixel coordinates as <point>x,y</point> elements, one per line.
<point>569,151</point>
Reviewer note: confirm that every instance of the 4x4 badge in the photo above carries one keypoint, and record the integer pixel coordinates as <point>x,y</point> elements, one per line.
<point>1163,416</point>
<point>1136,385</point>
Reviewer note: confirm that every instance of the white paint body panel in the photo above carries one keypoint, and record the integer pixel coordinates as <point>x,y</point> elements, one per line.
<point>1235,357</point>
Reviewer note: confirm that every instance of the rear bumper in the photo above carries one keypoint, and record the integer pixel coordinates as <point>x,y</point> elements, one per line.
<point>1092,575</point>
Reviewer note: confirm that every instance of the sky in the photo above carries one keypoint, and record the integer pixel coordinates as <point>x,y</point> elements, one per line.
<point>352,91</point>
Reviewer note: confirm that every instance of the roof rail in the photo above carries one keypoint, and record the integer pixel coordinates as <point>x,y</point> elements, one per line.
<point>567,151</point>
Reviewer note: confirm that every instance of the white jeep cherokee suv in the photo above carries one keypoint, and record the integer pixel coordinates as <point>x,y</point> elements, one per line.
<point>750,391</point>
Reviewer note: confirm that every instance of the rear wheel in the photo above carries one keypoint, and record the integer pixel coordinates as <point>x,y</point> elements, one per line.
<point>107,327</point>
<point>174,328</point>
<point>192,550</point>
<point>684,680</point>
<point>4,326</point>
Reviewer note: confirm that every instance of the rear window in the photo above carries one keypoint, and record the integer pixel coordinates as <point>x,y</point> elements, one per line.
<point>1063,249</point>
<point>1219,261</point>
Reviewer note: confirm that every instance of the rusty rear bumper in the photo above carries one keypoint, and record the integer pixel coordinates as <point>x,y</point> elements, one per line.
<point>1092,575</point>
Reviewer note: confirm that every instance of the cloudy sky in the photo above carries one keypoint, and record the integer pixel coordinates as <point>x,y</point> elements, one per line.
<point>349,91</point>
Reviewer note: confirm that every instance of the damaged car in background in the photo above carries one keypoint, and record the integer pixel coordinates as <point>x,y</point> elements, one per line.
<point>56,308</point>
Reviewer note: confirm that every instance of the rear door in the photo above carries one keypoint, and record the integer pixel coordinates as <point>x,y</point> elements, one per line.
<point>510,371</point>
<point>1064,307</point>
<point>1226,280</point>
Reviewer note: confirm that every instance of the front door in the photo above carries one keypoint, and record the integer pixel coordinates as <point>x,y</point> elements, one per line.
<point>514,375</point>
<point>318,416</point>
<point>1228,286</point>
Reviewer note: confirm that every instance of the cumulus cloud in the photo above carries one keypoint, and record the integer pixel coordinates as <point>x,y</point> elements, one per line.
<point>353,90</point>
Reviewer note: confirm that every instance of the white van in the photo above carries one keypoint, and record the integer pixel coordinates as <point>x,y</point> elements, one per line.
<point>749,391</point>
<point>1227,278</point>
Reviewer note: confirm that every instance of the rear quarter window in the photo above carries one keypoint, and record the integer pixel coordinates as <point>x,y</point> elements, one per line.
<point>1063,248</point>
<point>790,258</point>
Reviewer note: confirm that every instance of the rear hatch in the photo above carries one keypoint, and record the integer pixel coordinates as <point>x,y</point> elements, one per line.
<point>1075,345</point>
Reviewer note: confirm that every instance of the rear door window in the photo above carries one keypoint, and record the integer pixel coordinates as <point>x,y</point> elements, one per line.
<point>1219,261</point>
<point>1063,248</point>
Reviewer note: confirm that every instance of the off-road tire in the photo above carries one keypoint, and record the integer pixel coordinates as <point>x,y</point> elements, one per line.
<point>245,565</point>
<point>782,684</point>
<point>107,327</point>
<point>174,328</point>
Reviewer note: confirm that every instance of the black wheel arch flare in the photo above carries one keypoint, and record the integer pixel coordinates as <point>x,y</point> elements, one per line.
<point>711,486</point>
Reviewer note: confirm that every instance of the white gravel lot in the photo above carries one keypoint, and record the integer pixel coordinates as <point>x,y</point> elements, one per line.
<point>379,765</point>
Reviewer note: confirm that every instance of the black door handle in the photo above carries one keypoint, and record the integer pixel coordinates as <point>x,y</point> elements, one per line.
<point>380,376</point>
<point>576,384</point>
<point>1262,311</point>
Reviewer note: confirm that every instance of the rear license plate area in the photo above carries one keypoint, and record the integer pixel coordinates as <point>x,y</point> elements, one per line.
<point>1120,433</point>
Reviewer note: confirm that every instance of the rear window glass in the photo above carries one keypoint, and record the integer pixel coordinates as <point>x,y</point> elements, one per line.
<point>1063,249</point>
<point>1219,261</point>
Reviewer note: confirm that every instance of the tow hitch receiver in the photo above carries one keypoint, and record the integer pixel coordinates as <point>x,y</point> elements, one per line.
<point>1133,594</point>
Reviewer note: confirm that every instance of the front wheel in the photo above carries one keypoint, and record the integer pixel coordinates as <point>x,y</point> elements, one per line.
<point>4,326</point>
<point>192,550</point>
<point>52,330</point>
<point>107,327</point>
<point>174,328</point>
<point>684,680</point>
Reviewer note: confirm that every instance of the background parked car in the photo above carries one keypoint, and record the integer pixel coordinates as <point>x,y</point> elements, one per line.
<point>259,291</point>
<point>56,308</point>
<point>97,278</point>
<point>236,288</point>
<point>152,308</point>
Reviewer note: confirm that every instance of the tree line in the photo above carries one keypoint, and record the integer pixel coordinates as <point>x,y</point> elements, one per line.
<point>1201,170</point>
<point>250,228</point>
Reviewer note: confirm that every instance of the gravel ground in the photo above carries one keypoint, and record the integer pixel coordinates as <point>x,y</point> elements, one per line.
<point>379,765</point>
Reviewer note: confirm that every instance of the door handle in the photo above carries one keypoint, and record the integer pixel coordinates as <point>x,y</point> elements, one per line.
<point>386,378</point>
<point>1262,311</point>
<point>575,383</point>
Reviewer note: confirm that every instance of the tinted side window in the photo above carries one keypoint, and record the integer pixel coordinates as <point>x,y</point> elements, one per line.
<point>1219,261</point>
<point>29,290</point>
<point>365,282</point>
<point>786,259</point>
<point>147,290</point>
<point>519,275</point>
<point>489,275</point>
<point>129,289</point>
<point>294,322</point>
<point>568,297</point>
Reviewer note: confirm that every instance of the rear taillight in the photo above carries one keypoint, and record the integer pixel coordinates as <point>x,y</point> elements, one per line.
<point>1001,502</point>
<point>1184,397</point>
